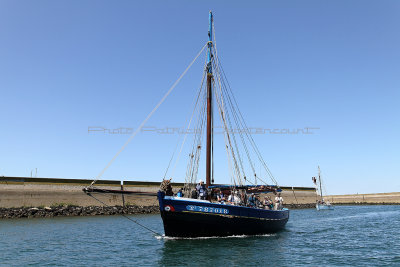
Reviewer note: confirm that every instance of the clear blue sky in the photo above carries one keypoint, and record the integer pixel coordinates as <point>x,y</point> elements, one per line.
<point>333,65</point>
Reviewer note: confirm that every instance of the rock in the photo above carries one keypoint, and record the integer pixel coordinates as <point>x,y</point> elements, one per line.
<point>48,212</point>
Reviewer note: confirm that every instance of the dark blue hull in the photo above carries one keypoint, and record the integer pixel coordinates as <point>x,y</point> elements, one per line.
<point>184,217</point>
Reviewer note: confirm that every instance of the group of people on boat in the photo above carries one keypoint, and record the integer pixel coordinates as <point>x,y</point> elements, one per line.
<point>235,197</point>
<point>200,192</point>
<point>323,202</point>
<point>250,200</point>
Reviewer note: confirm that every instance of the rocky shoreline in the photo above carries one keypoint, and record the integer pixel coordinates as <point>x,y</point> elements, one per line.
<point>299,206</point>
<point>58,211</point>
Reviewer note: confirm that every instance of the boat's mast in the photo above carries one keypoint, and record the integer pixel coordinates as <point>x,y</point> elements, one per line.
<point>209,105</point>
<point>320,184</point>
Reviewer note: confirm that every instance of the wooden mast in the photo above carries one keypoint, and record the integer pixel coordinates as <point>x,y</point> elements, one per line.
<point>209,105</point>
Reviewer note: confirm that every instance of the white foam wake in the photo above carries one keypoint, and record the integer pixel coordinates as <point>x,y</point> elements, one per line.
<point>211,237</point>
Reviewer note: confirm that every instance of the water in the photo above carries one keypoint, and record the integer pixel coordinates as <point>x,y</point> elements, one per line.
<point>349,235</point>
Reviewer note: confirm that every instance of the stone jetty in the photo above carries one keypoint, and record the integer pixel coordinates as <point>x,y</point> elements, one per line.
<point>48,212</point>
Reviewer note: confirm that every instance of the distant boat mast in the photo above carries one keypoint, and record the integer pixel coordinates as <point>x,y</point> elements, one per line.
<point>320,183</point>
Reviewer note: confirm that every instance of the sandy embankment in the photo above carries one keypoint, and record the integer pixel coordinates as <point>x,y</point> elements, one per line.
<point>378,198</point>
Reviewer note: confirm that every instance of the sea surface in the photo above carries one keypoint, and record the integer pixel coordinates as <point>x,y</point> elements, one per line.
<point>348,235</point>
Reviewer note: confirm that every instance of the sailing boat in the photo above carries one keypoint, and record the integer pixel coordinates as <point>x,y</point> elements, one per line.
<point>321,203</point>
<point>207,212</point>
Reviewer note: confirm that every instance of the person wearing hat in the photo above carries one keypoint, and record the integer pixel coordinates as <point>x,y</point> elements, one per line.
<point>201,190</point>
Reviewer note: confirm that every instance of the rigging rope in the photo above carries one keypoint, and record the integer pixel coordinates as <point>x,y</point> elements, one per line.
<point>216,64</point>
<point>238,116</point>
<point>233,180</point>
<point>192,167</point>
<point>190,122</point>
<point>235,117</point>
<point>244,126</point>
<point>228,120</point>
<point>185,135</point>
<point>223,115</point>
<point>147,118</point>
<point>123,215</point>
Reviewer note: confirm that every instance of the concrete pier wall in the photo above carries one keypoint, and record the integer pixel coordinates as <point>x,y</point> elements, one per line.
<point>46,192</point>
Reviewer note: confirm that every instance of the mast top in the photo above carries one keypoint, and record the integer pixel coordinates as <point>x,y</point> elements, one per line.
<point>210,44</point>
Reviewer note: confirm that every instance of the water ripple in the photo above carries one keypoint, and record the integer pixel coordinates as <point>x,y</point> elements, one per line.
<point>349,235</point>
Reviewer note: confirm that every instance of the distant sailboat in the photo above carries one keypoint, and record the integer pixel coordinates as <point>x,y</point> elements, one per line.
<point>321,203</point>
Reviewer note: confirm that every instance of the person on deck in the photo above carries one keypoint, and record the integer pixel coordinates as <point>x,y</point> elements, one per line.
<point>220,197</point>
<point>257,202</point>
<point>180,193</point>
<point>278,202</point>
<point>271,203</point>
<point>252,200</point>
<point>234,199</point>
<point>167,187</point>
<point>266,203</point>
<point>243,198</point>
<point>201,190</point>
